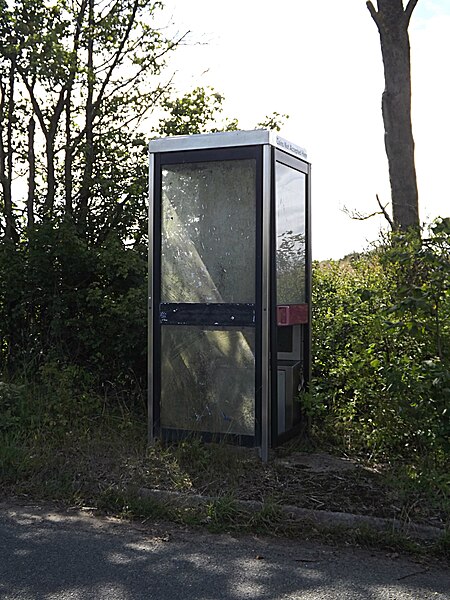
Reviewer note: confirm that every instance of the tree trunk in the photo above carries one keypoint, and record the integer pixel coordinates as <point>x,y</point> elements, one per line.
<point>392,21</point>
<point>51,181</point>
<point>3,152</point>
<point>68,161</point>
<point>49,134</point>
<point>6,155</point>
<point>31,173</point>
<point>85,191</point>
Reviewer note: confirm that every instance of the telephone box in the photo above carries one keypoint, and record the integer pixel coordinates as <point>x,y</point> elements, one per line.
<point>229,287</point>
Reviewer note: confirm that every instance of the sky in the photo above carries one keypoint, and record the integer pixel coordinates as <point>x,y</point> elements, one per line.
<point>320,63</point>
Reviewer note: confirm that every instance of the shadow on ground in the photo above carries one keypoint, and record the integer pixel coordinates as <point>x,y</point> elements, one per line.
<point>49,554</point>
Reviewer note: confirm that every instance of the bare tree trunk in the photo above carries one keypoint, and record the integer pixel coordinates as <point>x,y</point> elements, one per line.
<point>85,191</point>
<point>6,155</point>
<point>68,161</point>
<point>49,125</point>
<point>31,173</point>
<point>3,176</point>
<point>49,134</point>
<point>51,181</point>
<point>392,21</point>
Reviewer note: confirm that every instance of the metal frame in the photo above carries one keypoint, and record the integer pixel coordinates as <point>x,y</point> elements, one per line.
<point>266,316</point>
<point>208,314</point>
<point>150,365</point>
<point>301,165</point>
<point>217,316</point>
<point>267,148</point>
<point>308,265</point>
<point>227,139</point>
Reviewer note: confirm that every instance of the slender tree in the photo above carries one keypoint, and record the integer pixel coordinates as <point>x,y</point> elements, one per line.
<point>76,79</point>
<point>31,172</point>
<point>89,121</point>
<point>392,20</point>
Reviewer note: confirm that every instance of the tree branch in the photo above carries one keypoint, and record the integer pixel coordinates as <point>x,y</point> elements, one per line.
<point>373,13</point>
<point>115,62</point>
<point>357,216</point>
<point>409,10</point>
<point>3,178</point>
<point>385,213</point>
<point>34,102</point>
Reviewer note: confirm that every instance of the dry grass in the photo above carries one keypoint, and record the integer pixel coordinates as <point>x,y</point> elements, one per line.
<point>108,460</point>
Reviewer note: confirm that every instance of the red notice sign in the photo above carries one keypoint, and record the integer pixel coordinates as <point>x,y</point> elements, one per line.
<point>292,314</point>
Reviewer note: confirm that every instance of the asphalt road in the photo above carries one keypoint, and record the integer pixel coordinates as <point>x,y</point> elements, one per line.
<point>48,554</point>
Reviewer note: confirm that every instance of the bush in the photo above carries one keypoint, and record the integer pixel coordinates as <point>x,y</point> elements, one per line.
<point>77,308</point>
<point>381,349</point>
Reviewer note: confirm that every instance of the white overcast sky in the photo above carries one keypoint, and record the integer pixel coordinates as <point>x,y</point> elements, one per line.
<point>320,62</point>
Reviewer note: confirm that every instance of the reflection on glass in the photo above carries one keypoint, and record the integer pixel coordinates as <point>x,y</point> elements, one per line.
<point>290,235</point>
<point>208,232</point>
<point>208,379</point>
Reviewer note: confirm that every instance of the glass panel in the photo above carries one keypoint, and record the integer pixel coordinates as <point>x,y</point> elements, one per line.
<point>290,234</point>
<point>208,232</point>
<point>208,379</point>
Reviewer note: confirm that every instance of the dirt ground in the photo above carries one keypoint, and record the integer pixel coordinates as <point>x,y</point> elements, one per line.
<point>317,480</point>
<point>82,472</point>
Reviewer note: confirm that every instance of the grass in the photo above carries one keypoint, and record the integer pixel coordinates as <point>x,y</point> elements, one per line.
<point>98,457</point>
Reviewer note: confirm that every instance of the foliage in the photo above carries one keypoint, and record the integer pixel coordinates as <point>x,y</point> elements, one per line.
<point>72,97</point>
<point>275,121</point>
<point>78,310</point>
<point>382,350</point>
<point>73,235</point>
<point>200,111</point>
<point>195,112</point>
<point>73,263</point>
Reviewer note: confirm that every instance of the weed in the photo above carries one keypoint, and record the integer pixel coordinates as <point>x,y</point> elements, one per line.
<point>128,504</point>
<point>222,513</point>
<point>269,519</point>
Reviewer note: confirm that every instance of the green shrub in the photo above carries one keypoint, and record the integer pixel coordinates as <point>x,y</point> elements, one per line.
<point>79,308</point>
<point>381,349</point>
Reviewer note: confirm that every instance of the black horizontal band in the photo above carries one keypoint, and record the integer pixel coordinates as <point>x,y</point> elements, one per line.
<point>177,435</point>
<point>232,315</point>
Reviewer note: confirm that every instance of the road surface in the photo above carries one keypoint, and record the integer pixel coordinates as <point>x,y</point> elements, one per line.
<point>49,554</point>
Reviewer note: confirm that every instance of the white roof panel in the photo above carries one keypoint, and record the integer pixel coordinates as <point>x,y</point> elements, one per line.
<point>226,139</point>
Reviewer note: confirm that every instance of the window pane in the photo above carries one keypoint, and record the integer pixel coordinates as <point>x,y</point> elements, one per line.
<point>208,379</point>
<point>290,233</point>
<point>208,232</point>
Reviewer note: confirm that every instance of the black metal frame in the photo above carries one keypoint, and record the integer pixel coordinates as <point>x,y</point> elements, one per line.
<point>219,315</point>
<point>304,167</point>
<point>230,316</point>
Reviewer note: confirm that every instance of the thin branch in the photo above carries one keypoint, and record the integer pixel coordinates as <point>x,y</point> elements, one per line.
<point>385,213</point>
<point>148,105</point>
<point>108,10</point>
<point>171,45</point>
<point>37,109</point>
<point>108,78</point>
<point>357,216</point>
<point>409,10</point>
<point>3,178</point>
<point>373,13</point>
<point>118,85</point>
<point>116,61</point>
